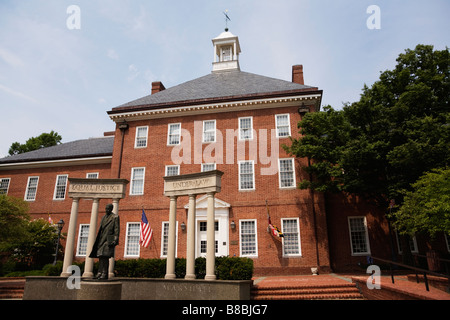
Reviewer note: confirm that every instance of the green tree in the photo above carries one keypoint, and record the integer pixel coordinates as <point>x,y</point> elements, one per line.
<point>380,145</point>
<point>426,209</point>
<point>13,220</point>
<point>37,247</point>
<point>42,141</point>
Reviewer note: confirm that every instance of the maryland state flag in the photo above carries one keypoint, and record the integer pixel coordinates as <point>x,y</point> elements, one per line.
<point>273,229</point>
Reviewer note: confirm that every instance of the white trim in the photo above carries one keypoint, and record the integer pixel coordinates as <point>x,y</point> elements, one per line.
<point>162,239</point>
<point>366,236</point>
<point>289,124</point>
<point>28,185</point>
<point>77,253</point>
<point>55,163</point>
<point>255,255</point>
<point>172,165</point>
<point>216,107</point>
<point>293,174</point>
<point>215,131</point>
<point>253,175</point>
<point>136,137</point>
<point>299,254</point>
<point>251,128</point>
<point>9,183</point>
<point>168,134</point>
<point>56,186</point>
<point>125,255</point>
<point>208,164</point>
<point>131,182</point>
<point>88,173</point>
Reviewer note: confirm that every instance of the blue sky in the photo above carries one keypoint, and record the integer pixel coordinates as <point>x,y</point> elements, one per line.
<point>55,78</point>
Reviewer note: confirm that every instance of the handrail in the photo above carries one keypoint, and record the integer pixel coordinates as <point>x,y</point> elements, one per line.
<point>424,271</point>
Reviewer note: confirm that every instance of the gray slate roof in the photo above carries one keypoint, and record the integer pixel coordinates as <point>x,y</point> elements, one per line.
<point>218,85</point>
<point>93,147</point>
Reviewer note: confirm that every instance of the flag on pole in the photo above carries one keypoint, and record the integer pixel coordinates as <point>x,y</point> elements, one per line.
<point>146,231</point>
<point>273,229</point>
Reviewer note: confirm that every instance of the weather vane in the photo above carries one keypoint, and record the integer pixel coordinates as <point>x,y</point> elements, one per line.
<point>227,18</point>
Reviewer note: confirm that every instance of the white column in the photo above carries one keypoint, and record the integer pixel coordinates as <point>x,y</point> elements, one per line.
<point>210,239</point>
<point>89,262</point>
<point>170,262</point>
<point>190,247</point>
<point>115,210</point>
<point>70,242</point>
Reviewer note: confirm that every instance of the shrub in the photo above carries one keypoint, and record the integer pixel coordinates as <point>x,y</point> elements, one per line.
<point>227,268</point>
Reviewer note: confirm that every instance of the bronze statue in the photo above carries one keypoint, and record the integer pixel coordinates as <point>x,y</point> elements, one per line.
<point>106,241</point>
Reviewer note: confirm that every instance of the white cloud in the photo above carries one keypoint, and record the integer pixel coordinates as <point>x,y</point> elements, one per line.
<point>17,93</point>
<point>10,58</point>
<point>112,54</point>
<point>133,72</point>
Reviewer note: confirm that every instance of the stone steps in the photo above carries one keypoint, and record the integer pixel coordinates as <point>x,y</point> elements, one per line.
<point>12,289</point>
<point>334,292</point>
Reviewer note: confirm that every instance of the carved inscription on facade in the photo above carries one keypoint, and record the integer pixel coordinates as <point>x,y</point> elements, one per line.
<point>97,188</point>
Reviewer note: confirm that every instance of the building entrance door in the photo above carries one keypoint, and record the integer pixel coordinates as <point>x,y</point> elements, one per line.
<point>221,227</point>
<point>221,244</point>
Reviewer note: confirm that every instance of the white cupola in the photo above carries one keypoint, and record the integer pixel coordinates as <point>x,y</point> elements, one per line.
<point>226,52</point>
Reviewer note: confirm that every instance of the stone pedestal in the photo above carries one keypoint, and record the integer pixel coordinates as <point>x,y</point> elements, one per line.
<point>100,290</point>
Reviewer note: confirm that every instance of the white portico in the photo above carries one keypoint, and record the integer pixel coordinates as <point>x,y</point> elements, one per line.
<point>191,185</point>
<point>221,223</point>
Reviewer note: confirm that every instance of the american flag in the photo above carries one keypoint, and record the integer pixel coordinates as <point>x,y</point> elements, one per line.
<point>146,231</point>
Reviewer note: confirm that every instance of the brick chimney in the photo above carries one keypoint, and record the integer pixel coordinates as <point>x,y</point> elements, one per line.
<point>157,86</point>
<point>297,74</point>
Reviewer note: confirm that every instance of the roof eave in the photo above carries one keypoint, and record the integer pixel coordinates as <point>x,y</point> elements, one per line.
<point>183,103</point>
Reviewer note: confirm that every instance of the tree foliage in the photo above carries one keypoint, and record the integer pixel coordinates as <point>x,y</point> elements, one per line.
<point>426,208</point>
<point>380,145</point>
<point>13,218</point>
<point>42,141</point>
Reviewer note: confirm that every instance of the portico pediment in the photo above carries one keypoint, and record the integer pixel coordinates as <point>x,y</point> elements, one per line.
<point>202,203</point>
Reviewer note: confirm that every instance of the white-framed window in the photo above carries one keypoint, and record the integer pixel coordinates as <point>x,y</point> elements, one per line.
<point>83,235</point>
<point>132,239</point>
<point>209,131</point>
<point>359,236</point>
<point>246,128</point>
<point>30,192</point>
<point>248,238</point>
<point>412,244</point>
<point>286,173</point>
<point>291,240</point>
<point>165,239</point>
<point>208,167</point>
<point>246,175</point>
<point>92,175</point>
<point>4,185</point>
<point>141,137</point>
<point>283,125</point>
<point>174,134</point>
<point>137,181</point>
<point>60,187</point>
<point>172,170</point>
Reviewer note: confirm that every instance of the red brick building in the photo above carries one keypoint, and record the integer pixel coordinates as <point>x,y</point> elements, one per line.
<point>228,120</point>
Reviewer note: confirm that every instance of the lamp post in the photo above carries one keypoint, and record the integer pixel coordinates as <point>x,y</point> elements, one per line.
<point>60,225</point>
